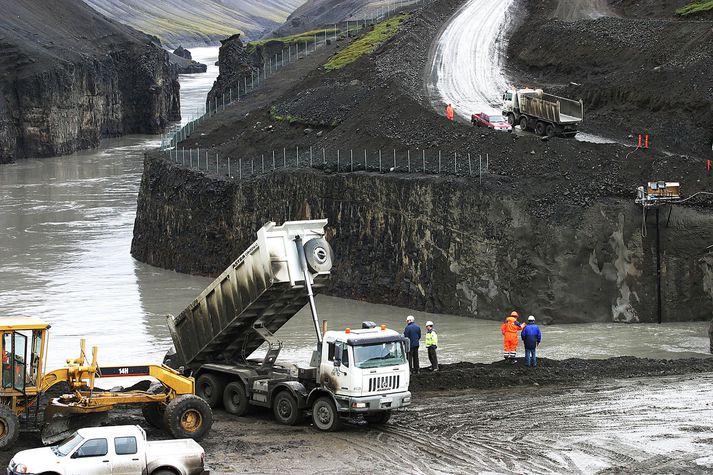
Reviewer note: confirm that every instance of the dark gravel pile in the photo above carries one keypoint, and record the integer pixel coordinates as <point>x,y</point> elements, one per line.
<point>570,371</point>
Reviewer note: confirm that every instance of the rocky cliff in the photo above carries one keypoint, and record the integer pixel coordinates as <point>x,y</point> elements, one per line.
<point>70,77</point>
<point>440,244</point>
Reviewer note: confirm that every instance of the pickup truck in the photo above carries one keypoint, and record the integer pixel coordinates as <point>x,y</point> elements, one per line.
<point>112,450</point>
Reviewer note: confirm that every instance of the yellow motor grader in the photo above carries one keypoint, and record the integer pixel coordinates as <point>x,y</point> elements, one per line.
<point>172,405</point>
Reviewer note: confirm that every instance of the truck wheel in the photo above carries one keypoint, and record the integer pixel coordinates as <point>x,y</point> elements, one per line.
<point>188,417</point>
<point>540,128</point>
<point>9,427</point>
<point>377,418</point>
<point>210,388</point>
<point>550,130</point>
<point>285,409</point>
<point>523,123</point>
<point>511,119</point>
<point>235,401</point>
<point>153,413</point>
<point>325,415</point>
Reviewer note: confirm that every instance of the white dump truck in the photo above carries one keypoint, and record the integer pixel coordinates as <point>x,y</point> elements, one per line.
<point>121,450</point>
<point>361,371</point>
<point>543,113</point>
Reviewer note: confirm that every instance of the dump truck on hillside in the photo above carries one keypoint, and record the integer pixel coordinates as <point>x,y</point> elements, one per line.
<point>362,371</point>
<point>543,113</point>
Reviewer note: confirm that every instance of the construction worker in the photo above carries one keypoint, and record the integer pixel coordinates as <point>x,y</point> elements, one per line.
<point>450,113</point>
<point>509,330</point>
<point>531,337</point>
<point>413,333</point>
<point>432,345</point>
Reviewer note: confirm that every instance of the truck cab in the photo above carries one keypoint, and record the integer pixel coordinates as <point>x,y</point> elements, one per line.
<point>366,371</point>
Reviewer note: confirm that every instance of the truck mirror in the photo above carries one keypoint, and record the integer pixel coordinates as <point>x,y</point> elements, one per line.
<point>337,362</point>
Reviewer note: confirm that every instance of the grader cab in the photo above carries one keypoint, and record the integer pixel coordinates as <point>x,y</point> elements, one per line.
<point>25,403</point>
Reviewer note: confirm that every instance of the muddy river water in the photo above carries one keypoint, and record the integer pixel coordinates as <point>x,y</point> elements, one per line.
<point>65,234</point>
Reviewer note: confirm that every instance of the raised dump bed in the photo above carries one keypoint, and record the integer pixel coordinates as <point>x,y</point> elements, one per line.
<point>265,285</point>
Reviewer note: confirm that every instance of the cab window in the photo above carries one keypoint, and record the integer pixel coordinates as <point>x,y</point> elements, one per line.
<point>91,448</point>
<point>125,445</point>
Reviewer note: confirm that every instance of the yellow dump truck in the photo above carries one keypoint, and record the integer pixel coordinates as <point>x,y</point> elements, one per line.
<point>25,383</point>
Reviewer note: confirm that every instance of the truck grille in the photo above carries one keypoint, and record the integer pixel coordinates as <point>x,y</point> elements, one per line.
<point>384,383</point>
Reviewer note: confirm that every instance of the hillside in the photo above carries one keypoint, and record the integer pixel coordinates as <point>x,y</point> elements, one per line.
<point>69,76</point>
<point>199,21</point>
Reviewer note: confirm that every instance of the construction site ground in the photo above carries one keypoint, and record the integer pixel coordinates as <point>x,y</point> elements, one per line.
<point>628,414</point>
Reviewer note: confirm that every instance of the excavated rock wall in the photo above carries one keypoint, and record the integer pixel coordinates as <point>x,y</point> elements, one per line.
<point>438,244</point>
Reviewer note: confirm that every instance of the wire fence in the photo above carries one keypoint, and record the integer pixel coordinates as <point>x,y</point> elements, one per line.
<point>339,161</point>
<point>244,86</point>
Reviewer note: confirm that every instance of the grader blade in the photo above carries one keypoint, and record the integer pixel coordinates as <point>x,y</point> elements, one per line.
<point>60,427</point>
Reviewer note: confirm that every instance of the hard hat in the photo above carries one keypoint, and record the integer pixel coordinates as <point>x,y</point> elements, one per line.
<point>514,314</point>
<point>429,323</point>
<point>410,318</point>
<point>531,318</point>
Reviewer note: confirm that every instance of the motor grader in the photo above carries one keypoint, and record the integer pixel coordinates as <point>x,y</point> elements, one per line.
<point>26,404</point>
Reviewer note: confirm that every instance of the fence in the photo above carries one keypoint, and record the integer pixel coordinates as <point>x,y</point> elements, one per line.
<point>295,51</point>
<point>340,161</point>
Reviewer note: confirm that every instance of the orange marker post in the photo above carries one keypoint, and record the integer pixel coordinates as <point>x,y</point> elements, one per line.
<point>709,167</point>
<point>646,143</point>
<point>639,146</point>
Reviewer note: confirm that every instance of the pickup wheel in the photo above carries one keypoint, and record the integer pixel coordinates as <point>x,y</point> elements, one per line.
<point>285,409</point>
<point>325,415</point>
<point>153,413</point>
<point>540,128</point>
<point>377,418</point>
<point>210,387</point>
<point>523,123</point>
<point>9,427</point>
<point>235,401</point>
<point>188,417</point>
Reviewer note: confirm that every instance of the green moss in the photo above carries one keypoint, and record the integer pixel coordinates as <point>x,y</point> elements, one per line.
<point>695,7</point>
<point>301,38</point>
<point>368,43</point>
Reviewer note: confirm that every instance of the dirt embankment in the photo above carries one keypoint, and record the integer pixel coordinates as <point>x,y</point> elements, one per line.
<point>637,66</point>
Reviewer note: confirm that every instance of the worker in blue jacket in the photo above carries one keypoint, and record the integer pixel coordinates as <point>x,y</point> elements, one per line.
<point>531,337</point>
<point>413,333</point>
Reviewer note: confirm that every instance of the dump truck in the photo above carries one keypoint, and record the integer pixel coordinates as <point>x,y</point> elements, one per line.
<point>543,113</point>
<point>352,372</point>
<point>27,404</point>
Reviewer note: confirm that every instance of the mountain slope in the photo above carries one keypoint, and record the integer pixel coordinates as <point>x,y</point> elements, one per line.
<point>198,21</point>
<point>316,13</point>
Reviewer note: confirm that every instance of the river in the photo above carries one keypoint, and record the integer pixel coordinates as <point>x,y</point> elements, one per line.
<point>66,228</point>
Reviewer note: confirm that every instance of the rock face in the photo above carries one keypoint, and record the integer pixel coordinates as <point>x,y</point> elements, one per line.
<point>438,244</point>
<point>181,65</point>
<point>183,53</point>
<point>71,76</point>
<point>234,64</point>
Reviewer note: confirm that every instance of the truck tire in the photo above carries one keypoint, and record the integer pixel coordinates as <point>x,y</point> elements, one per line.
<point>540,128</point>
<point>285,409</point>
<point>325,415</point>
<point>153,413</point>
<point>235,401</point>
<point>523,123</point>
<point>319,255</point>
<point>9,427</point>
<point>511,119</point>
<point>377,418</point>
<point>210,388</point>
<point>188,417</point>
<point>550,130</point>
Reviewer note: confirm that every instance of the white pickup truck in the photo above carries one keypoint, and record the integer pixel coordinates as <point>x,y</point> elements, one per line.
<point>113,450</point>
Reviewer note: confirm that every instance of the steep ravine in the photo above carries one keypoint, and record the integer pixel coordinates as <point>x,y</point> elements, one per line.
<point>71,76</point>
<point>438,244</point>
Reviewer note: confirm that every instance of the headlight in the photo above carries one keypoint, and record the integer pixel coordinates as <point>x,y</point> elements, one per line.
<point>21,468</point>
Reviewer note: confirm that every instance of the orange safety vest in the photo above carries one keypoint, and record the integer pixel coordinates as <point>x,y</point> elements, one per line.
<point>510,330</point>
<point>450,113</point>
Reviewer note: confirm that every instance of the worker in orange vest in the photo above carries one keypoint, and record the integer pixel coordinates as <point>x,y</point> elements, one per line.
<point>510,329</point>
<point>450,113</point>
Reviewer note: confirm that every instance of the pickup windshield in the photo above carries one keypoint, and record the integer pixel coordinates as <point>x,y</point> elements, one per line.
<point>379,354</point>
<point>68,445</point>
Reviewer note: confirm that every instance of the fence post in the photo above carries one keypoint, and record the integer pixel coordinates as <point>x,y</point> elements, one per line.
<point>487,163</point>
<point>216,164</point>
<point>183,156</point>
<point>439,162</point>
<point>394,159</point>
<point>241,169</point>
<point>455,162</point>
<point>263,163</point>
<point>379,160</point>
<point>366,168</point>
<point>337,161</point>
<point>480,168</point>
<point>273,159</point>
<point>470,168</point>
<point>324,156</point>
<point>408,162</point>
<point>229,176</point>
<point>284,157</point>
<point>297,154</point>
<point>424,161</point>
<point>198,155</point>
<point>252,167</point>
<point>351,160</point>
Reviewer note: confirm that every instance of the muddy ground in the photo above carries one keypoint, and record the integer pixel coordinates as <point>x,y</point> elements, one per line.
<point>615,415</point>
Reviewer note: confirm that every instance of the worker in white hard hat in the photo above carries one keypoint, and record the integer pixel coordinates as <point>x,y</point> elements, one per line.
<point>413,333</point>
<point>531,337</point>
<point>432,345</point>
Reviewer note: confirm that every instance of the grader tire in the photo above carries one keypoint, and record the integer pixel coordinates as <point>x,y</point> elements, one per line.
<point>188,417</point>
<point>153,413</point>
<point>9,427</point>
